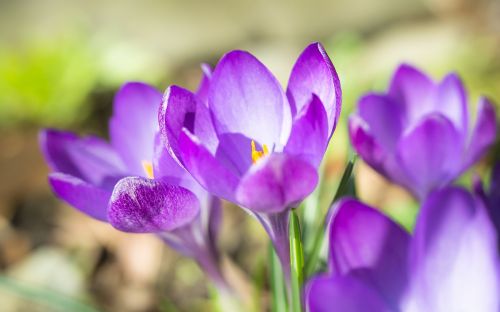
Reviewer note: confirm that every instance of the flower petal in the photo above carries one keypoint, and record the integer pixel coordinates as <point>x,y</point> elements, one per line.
<point>246,98</point>
<point>415,91</point>
<point>141,205</point>
<point>84,196</point>
<point>314,73</point>
<point>451,101</point>
<point>182,109</point>
<point>205,168</point>
<point>89,159</point>
<point>384,117</point>
<point>454,250</point>
<point>204,87</point>
<point>342,294</point>
<point>361,237</point>
<point>484,133</point>
<point>134,123</point>
<point>275,183</point>
<point>309,137</point>
<point>431,154</point>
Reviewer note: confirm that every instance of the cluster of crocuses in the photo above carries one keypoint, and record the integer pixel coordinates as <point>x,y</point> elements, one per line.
<point>240,137</point>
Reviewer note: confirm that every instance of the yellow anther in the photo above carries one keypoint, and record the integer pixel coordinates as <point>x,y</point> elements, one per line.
<point>256,155</point>
<point>148,169</point>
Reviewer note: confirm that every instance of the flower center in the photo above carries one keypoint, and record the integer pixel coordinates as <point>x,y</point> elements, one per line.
<point>256,155</point>
<point>148,168</point>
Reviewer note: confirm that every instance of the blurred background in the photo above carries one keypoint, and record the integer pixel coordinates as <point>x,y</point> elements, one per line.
<point>62,61</point>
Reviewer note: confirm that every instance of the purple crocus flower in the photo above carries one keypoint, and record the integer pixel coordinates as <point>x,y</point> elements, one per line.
<point>492,196</point>
<point>418,134</point>
<point>248,142</point>
<point>132,182</point>
<point>450,263</point>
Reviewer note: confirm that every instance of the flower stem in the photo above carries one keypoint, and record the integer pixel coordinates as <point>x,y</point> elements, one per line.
<point>278,287</point>
<point>296,263</point>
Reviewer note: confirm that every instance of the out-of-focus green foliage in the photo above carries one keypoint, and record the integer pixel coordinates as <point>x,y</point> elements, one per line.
<point>46,82</point>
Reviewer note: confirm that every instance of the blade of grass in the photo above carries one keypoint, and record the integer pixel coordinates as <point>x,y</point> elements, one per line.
<point>296,263</point>
<point>278,287</point>
<point>346,183</point>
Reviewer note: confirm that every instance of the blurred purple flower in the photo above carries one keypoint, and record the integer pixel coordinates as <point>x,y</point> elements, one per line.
<point>449,264</point>
<point>250,143</point>
<point>492,196</point>
<point>132,182</point>
<point>419,133</point>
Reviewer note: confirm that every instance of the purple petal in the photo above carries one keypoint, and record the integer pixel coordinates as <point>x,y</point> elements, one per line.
<point>204,87</point>
<point>314,73</point>
<point>309,137</point>
<point>484,133</point>
<point>182,109</point>
<point>141,205</point>
<point>361,237</point>
<point>415,91</point>
<point>432,154</point>
<point>384,117</point>
<point>89,159</point>
<point>134,123</point>
<point>84,196</point>
<point>276,182</point>
<point>246,98</point>
<point>342,294</point>
<point>451,101</point>
<point>494,197</point>
<point>365,143</point>
<point>205,168</point>
<point>454,256</point>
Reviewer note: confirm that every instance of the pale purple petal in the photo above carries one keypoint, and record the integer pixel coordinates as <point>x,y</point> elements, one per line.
<point>314,73</point>
<point>84,196</point>
<point>362,237</point>
<point>484,133</point>
<point>342,294</point>
<point>415,91</point>
<point>431,153</point>
<point>276,182</point>
<point>89,159</point>
<point>205,168</point>
<point>246,98</point>
<point>384,117</point>
<point>309,137</point>
<point>204,87</point>
<point>141,205</point>
<point>182,109</point>
<point>451,101</point>
<point>134,123</point>
<point>454,257</point>
<point>365,144</point>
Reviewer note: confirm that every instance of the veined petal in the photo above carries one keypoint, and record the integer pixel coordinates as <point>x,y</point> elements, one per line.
<point>182,109</point>
<point>84,196</point>
<point>432,154</point>
<point>246,98</point>
<point>484,133</point>
<point>314,73</point>
<point>309,137</point>
<point>134,123</point>
<point>205,168</point>
<point>453,251</point>
<point>415,91</point>
<point>361,237</point>
<point>276,182</point>
<point>342,294</point>
<point>89,159</point>
<point>141,205</point>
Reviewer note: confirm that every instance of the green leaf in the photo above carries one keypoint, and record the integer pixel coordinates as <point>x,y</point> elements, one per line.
<point>296,263</point>
<point>278,288</point>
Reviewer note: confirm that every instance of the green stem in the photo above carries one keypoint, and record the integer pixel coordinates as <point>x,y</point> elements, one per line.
<point>343,189</point>
<point>296,263</point>
<point>278,300</point>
